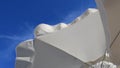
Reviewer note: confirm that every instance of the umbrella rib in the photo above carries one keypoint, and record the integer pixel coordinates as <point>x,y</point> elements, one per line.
<point>115,39</point>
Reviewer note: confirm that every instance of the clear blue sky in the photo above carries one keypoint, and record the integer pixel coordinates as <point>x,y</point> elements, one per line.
<point>18,19</point>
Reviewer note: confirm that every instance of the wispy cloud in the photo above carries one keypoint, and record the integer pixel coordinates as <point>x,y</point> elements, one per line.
<point>27,33</point>
<point>10,37</point>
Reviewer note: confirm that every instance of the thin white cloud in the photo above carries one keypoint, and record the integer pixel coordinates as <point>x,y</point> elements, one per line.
<point>27,33</point>
<point>10,37</point>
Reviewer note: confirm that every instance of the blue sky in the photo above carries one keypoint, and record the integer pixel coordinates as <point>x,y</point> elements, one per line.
<point>18,19</point>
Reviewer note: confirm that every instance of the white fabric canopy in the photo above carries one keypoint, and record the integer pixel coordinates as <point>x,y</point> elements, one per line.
<point>84,39</point>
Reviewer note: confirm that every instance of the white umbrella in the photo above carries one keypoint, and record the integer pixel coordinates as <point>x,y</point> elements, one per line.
<point>86,39</point>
